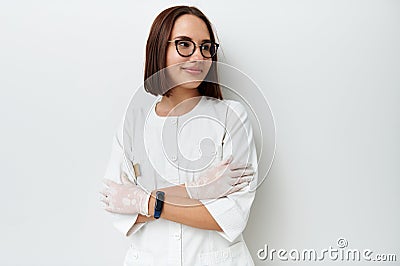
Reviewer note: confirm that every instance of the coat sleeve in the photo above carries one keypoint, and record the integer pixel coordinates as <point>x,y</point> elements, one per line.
<point>123,223</point>
<point>232,212</point>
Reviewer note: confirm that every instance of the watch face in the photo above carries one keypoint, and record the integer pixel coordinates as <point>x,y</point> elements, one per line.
<point>159,200</point>
<point>160,195</point>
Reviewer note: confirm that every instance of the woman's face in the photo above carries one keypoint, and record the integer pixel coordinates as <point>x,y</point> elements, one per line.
<point>188,72</point>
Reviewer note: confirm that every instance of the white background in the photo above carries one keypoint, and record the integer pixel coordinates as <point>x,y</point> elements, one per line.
<point>330,71</point>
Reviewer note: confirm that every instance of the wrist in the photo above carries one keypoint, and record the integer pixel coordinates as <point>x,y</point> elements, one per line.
<point>152,202</point>
<point>143,219</point>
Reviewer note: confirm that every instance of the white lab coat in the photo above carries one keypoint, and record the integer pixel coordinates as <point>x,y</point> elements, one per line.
<point>158,144</point>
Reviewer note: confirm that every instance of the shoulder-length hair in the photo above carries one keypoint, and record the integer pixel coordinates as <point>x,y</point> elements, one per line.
<point>156,49</point>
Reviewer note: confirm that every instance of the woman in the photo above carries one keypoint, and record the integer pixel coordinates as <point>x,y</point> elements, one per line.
<point>196,154</point>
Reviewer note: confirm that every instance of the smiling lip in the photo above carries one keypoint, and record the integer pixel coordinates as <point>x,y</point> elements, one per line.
<point>192,70</point>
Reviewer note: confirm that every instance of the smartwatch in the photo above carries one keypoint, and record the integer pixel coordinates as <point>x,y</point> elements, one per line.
<point>159,204</point>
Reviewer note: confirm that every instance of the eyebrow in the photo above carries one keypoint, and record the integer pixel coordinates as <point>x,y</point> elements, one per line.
<point>188,38</point>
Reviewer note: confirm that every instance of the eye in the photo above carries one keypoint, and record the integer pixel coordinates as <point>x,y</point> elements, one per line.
<point>184,44</point>
<point>206,46</point>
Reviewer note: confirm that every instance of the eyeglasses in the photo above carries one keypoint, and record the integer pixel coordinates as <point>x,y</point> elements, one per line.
<point>186,48</point>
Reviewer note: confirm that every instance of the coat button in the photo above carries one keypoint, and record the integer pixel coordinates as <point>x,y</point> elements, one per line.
<point>178,236</point>
<point>174,158</point>
<point>174,121</point>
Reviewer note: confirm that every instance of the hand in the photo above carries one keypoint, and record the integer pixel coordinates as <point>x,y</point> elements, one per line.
<point>125,198</point>
<point>221,180</point>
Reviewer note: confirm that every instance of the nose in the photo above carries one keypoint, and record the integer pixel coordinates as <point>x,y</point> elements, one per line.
<point>197,54</point>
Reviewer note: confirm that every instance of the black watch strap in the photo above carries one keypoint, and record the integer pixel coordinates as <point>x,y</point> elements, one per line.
<point>160,196</point>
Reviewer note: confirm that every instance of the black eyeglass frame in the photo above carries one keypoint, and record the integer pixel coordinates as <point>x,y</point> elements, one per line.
<point>195,45</point>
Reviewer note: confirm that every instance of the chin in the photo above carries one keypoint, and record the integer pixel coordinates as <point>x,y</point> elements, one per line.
<point>191,85</point>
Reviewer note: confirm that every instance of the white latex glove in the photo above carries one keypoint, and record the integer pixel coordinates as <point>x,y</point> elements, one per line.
<point>221,180</point>
<point>125,198</point>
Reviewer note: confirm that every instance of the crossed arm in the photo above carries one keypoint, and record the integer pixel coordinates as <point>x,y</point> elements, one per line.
<point>181,203</point>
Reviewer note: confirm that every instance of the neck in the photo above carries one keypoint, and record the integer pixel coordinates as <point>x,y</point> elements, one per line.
<point>178,96</point>
<point>180,101</point>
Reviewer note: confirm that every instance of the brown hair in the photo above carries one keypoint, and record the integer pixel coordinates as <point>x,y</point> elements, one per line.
<point>156,49</point>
